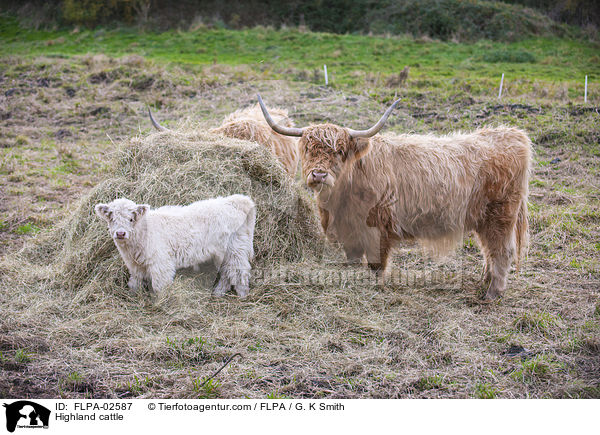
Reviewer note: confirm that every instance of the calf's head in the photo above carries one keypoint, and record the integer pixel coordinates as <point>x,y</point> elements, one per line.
<point>326,148</point>
<point>122,216</point>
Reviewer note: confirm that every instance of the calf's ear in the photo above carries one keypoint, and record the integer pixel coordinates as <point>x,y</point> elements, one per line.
<point>103,211</point>
<point>358,148</point>
<point>141,210</point>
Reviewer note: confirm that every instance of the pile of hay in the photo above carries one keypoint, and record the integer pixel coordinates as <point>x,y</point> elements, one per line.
<point>179,168</point>
<point>64,298</point>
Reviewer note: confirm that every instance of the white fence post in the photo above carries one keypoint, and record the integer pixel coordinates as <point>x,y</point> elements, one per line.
<point>326,80</point>
<point>501,83</point>
<point>585,94</point>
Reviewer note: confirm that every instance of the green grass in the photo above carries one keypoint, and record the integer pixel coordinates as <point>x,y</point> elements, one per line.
<point>537,369</point>
<point>485,391</point>
<point>429,383</point>
<point>539,322</point>
<point>27,228</point>
<point>68,166</point>
<point>276,395</point>
<point>192,350</point>
<point>22,356</point>
<point>291,54</point>
<point>138,385</point>
<point>206,390</point>
<point>74,378</point>
<point>508,56</point>
<point>22,140</point>
<point>73,381</point>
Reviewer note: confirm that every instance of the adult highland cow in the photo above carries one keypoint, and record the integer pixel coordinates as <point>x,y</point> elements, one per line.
<point>374,191</point>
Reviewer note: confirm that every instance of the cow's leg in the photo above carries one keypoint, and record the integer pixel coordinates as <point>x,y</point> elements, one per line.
<point>378,255</point>
<point>354,254</point>
<point>486,274</point>
<point>161,274</point>
<point>498,241</point>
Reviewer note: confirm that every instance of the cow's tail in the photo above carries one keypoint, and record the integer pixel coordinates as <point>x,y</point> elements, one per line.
<point>521,233</point>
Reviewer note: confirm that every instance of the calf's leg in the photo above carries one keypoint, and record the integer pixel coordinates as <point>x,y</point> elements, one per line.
<point>161,274</point>
<point>136,278</point>
<point>235,268</point>
<point>223,285</point>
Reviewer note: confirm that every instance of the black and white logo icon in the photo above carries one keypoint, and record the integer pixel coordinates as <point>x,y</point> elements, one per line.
<point>26,414</point>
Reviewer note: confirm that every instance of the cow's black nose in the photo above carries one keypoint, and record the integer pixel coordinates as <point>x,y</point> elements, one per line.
<point>120,234</point>
<point>319,177</point>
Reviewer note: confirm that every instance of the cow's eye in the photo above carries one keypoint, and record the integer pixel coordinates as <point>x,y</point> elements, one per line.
<point>131,219</point>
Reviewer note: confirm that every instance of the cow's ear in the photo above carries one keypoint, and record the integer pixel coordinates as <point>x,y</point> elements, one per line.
<point>141,210</point>
<point>103,211</point>
<point>359,147</point>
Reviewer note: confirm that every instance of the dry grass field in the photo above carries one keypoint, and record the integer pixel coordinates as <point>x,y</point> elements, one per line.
<point>74,132</point>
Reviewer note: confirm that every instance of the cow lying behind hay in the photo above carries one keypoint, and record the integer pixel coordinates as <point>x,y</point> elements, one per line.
<point>249,124</point>
<point>375,191</point>
<point>155,243</point>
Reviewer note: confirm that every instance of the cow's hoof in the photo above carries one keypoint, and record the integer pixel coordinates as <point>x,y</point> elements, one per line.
<point>491,295</point>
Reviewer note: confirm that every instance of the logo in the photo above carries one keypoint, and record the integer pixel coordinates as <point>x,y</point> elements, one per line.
<point>26,414</point>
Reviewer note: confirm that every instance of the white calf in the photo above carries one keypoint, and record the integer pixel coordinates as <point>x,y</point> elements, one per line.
<point>155,243</point>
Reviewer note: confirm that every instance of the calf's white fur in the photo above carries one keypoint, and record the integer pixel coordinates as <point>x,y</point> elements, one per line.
<point>155,243</point>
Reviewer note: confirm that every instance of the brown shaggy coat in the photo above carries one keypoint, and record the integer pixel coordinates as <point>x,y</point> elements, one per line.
<point>435,189</point>
<point>249,124</point>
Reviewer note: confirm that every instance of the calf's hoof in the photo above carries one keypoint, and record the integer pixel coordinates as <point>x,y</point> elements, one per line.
<point>221,288</point>
<point>134,284</point>
<point>242,291</point>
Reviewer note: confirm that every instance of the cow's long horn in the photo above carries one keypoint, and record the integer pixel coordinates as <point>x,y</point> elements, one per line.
<point>156,124</point>
<point>373,130</point>
<point>286,131</point>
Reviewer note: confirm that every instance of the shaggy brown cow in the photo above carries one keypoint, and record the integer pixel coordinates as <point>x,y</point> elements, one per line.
<point>374,191</point>
<point>249,124</point>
